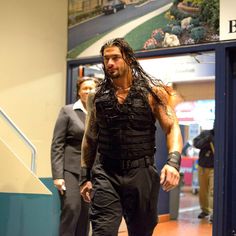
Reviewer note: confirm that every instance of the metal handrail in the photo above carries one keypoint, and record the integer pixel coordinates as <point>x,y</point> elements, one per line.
<point>24,138</point>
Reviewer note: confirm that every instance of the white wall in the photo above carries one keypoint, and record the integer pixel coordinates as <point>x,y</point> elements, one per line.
<point>33,70</point>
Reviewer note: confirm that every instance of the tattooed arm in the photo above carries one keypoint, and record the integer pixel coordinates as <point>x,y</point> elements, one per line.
<point>165,114</point>
<point>89,143</point>
<point>169,123</point>
<point>89,149</point>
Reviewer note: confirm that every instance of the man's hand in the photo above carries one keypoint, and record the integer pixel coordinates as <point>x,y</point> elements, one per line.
<point>169,178</point>
<point>60,185</point>
<point>85,191</point>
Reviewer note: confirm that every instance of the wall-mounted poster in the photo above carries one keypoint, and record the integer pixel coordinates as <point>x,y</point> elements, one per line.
<point>227,20</point>
<point>145,24</point>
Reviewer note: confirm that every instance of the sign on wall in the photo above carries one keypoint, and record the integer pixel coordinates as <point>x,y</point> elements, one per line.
<point>227,20</point>
<point>145,24</point>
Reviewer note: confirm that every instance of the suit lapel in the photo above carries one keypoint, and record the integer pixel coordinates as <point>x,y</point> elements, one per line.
<point>80,117</point>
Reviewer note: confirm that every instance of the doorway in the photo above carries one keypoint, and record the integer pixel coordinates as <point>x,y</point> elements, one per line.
<point>225,159</point>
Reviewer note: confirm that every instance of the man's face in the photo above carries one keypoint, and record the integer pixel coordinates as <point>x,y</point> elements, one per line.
<point>114,63</point>
<point>86,87</point>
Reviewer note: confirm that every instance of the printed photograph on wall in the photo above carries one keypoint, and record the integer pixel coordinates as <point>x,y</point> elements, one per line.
<point>145,24</point>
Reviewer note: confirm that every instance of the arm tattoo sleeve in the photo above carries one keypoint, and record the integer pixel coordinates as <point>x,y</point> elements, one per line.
<point>170,113</point>
<point>89,143</point>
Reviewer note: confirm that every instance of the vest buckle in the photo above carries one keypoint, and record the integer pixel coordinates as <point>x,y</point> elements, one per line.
<point>126,164</point>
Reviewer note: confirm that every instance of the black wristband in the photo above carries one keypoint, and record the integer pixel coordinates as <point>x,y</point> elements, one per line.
<point>85,175</point>
<point>174,159</point>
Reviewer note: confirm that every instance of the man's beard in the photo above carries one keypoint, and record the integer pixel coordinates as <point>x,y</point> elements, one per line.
<point>113,76</point>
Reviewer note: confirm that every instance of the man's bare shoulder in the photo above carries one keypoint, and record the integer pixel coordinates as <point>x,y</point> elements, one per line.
<point>159,94</point>
<point>167,95</point>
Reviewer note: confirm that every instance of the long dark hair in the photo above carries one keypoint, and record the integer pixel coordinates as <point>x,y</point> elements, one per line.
<point>137,71</point>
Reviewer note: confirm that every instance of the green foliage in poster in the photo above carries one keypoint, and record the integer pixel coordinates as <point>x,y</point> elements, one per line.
<point>210,13</point>
<point>198,33</point>
<point>176,30</point>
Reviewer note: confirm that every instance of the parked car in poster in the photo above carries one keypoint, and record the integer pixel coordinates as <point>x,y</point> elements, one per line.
<point>113,6</point>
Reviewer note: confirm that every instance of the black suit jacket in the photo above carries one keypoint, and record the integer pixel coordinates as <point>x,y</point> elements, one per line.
<point>66,142</point>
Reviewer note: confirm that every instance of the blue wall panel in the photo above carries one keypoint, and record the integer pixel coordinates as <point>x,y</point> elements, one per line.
<point>161,157</point>
<point>29,214</point>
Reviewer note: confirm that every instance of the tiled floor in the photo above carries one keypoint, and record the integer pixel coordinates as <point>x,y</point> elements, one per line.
<point>187,223</point>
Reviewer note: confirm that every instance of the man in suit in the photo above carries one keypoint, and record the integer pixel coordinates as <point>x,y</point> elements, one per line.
<point>65,161</point>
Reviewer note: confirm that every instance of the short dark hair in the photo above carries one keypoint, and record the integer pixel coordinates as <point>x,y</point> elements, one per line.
<point>81,80</point>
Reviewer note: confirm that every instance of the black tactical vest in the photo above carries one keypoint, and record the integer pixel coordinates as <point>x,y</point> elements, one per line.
<point>126,131</point>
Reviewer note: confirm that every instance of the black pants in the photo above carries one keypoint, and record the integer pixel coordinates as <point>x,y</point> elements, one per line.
<point>130,193</point>
<point>74,219</point>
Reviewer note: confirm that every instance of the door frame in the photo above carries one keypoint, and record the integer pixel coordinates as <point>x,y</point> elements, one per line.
<point>224,216</point>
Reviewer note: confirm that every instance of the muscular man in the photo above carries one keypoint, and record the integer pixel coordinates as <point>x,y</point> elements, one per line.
<point>121,128</point>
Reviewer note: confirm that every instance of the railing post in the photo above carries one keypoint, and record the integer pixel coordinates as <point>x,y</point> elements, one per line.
<point>24,138</point>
